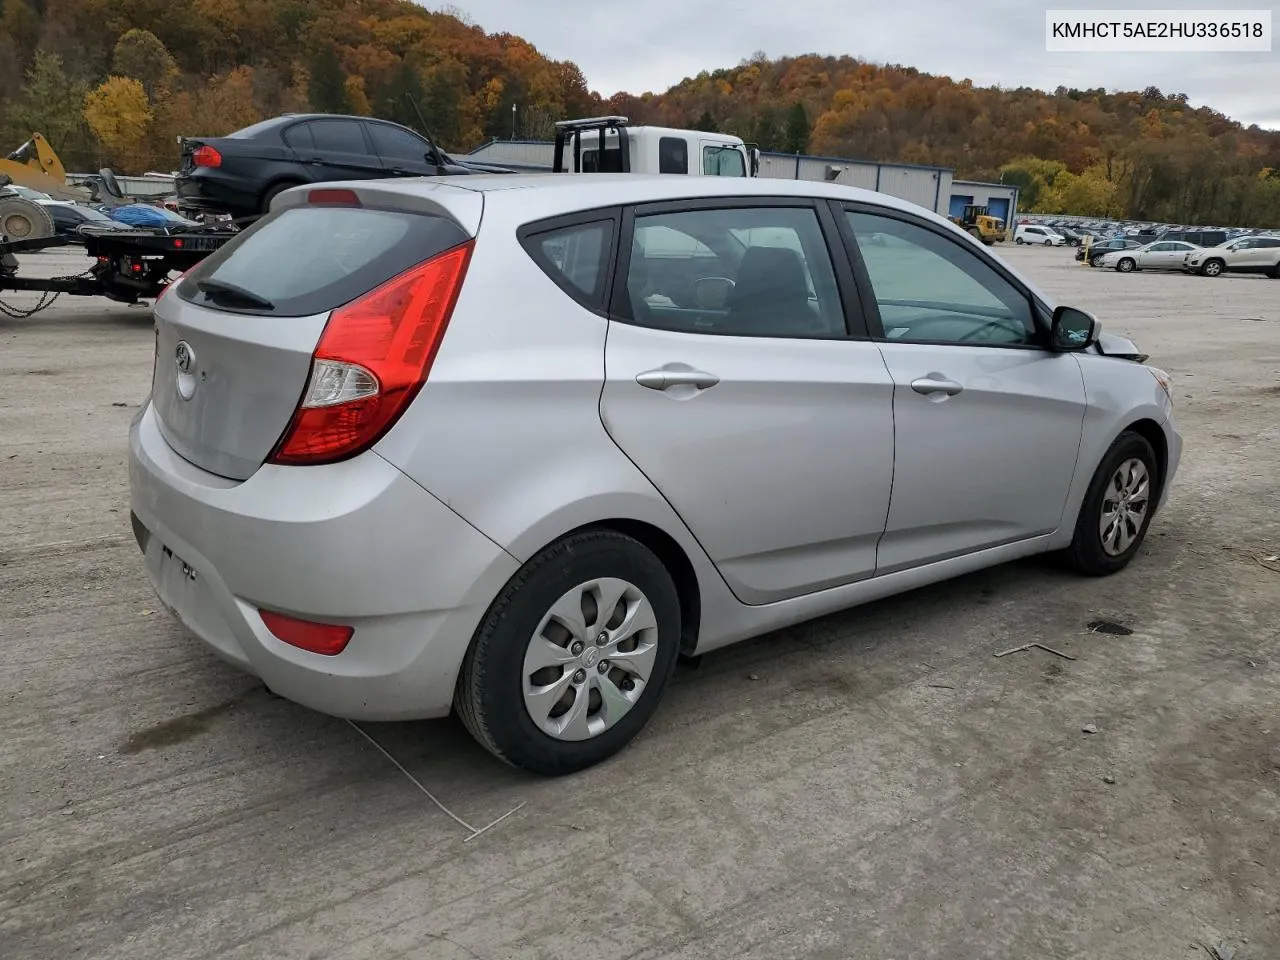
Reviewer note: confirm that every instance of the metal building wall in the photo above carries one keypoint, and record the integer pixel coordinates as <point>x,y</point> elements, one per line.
<point>984,193</point>
<point>536,152</point>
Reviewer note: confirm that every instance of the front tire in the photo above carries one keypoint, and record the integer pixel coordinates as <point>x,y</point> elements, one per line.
<point>1126,265</point>
<point>1212,268</point>
<point>573,655</point>
<point>1117,508</point>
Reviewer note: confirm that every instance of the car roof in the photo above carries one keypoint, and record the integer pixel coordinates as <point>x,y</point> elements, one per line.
<point>585,191</point>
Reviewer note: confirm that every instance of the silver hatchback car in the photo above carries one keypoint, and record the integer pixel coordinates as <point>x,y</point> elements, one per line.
<point>511,445</point>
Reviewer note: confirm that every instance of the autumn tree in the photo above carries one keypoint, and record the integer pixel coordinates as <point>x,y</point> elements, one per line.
<point>796,136</point>
<point>140,54</point>
<point>706,123</point>
<point>328,83</point>
<point>119,114</point>
<point>50,103</point>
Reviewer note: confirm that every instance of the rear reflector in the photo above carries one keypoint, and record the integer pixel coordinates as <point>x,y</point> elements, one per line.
<point>206,156</point>
<point>327,639</point>
<point>333,198</point>
<point>372,359</point>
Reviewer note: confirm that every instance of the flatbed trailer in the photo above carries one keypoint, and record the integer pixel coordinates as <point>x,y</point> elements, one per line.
<point>129,265</point>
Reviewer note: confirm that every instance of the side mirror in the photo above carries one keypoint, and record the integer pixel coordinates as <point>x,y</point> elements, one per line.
<point>755,161</point>
<point>1072,330</point>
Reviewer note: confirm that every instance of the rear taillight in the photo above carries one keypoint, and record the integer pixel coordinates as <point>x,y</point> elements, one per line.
<point>206,156</point>
<point>372,359</point>
<point>327,639</point>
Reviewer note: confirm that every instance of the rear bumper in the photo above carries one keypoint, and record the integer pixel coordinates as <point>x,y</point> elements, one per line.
<point>356,543</point>
<point>211,192</point>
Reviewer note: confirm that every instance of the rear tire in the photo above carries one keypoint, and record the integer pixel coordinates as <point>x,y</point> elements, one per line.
<point>274,191</point>
<point>1109,530</point>
<point>498,694</point>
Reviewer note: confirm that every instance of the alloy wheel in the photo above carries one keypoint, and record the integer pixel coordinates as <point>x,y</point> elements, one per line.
<point>590,659</point>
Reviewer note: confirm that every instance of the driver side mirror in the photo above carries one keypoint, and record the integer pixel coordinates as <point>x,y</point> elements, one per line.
<point>1072,330</point>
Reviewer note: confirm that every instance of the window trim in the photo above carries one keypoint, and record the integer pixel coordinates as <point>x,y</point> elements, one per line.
<point>1040,311</point>
<point>528,234</point>
<point>855,325</point>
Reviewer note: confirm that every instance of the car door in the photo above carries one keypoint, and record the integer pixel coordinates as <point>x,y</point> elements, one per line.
<point>1159,256</point>
<point>734,382</point>
<point>334,149</point>
<point>401,152</point>
<point>987,419</point>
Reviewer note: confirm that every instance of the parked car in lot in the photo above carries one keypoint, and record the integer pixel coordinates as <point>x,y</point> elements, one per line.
<point>1097,250</point>
<point>1250,254</point>
<point>1161,255</point>
<point>1036,233</point>
<point>400,458</point>
<point>242,172</point>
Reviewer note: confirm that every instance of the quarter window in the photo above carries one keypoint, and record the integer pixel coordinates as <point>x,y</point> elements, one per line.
<point>930,289</point>
<point>746,272</point>
<point>576,258</point>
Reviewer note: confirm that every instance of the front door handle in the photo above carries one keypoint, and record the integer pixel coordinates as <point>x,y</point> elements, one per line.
<point>928,385</point>
<point>665,379</point>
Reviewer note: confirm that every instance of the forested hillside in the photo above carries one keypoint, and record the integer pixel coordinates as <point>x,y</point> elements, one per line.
<point>116,81</point>
<point>1147,154</point>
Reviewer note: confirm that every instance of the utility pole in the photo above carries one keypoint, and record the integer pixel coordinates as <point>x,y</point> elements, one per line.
<point>513,121</point>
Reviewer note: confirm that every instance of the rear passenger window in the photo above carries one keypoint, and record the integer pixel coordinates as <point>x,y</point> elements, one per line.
<point>338,136</point>
<point>673,155</point>
<point>299,137</point>
<point>744,272</point>
<point>576,257</point>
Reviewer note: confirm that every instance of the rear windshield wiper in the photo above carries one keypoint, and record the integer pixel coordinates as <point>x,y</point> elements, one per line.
<point>213,288</point>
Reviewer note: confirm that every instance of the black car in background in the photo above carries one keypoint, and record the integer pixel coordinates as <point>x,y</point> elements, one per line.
<point>240,173</point>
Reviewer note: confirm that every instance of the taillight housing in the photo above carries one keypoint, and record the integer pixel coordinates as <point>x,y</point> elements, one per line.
<point>372,359</point>
<point>206,156</point>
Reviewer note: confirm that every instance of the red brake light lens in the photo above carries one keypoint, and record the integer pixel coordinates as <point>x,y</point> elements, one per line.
<point>327,639</point>
<point>206,156</point>
<point>331,197</point>
<point>372,359</point>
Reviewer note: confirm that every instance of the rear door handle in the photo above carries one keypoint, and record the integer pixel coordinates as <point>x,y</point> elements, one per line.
<point>668,378</point>
<point>928,385</point>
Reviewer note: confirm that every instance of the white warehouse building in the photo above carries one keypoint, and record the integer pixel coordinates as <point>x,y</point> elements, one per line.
<point>930,187</point>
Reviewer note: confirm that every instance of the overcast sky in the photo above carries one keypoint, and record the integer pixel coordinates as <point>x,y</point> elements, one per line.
<point>641,45</point>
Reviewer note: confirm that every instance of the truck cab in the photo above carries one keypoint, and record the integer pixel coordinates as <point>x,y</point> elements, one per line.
<point>611,145</point>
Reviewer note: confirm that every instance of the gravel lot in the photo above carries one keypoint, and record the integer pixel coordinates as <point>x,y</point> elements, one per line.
<point>871,785</point>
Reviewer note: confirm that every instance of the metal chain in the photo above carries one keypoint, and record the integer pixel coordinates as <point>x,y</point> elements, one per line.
<point>46,300</point>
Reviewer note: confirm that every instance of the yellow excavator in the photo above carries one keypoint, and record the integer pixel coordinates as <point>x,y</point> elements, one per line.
<point>36,166</point>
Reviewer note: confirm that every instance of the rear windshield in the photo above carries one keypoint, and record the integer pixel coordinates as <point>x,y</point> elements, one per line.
<point>306,260</point>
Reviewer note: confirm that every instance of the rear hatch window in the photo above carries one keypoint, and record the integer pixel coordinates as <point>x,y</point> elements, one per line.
<point>302,261</point>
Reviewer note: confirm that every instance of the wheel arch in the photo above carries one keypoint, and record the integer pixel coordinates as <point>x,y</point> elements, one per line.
<point>1154,434</point>
<point>673,557</point>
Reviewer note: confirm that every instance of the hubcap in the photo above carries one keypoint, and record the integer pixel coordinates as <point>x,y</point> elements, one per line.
<point>1124,506</point>
<point>590,659</point>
